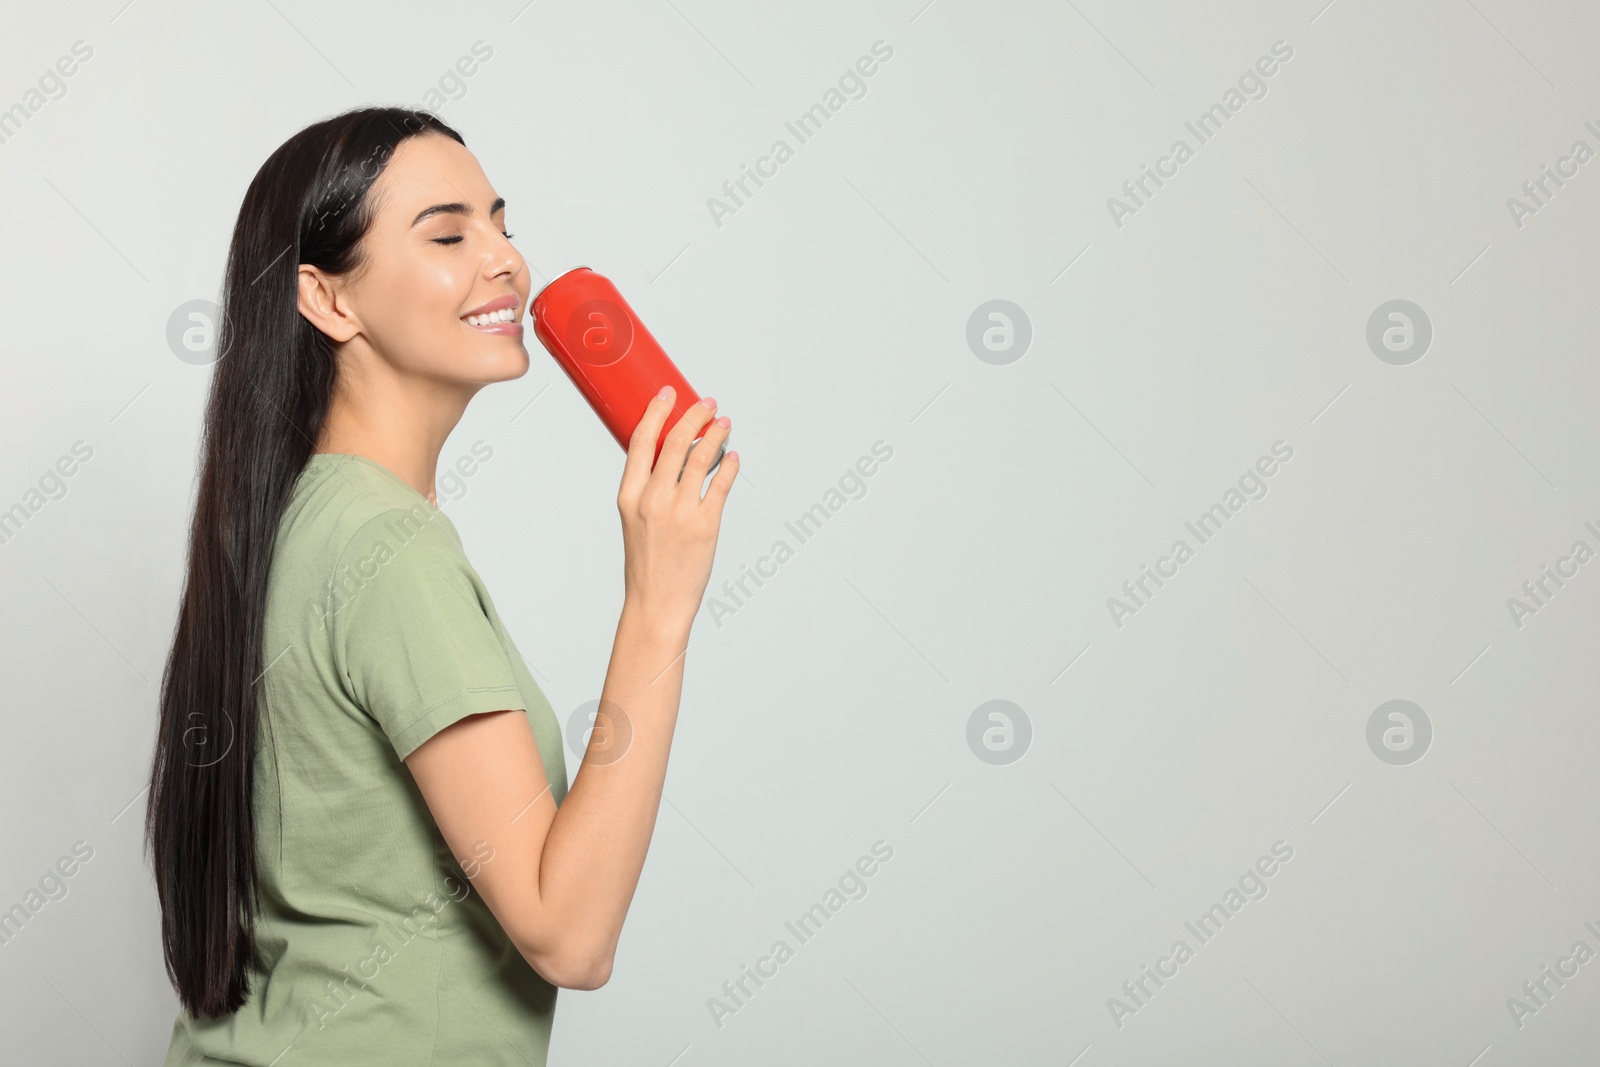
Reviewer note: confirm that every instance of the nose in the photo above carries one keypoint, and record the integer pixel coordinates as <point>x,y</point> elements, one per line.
<point>511,270</point>
<point>506,260</point>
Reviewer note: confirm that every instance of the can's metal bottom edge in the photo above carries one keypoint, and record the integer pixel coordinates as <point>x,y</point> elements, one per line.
<point>715,463</point>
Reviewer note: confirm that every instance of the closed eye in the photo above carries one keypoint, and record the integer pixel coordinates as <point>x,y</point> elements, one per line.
<point>454,240</point>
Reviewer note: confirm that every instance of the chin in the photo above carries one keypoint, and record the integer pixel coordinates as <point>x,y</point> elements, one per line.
<point>513,365</point>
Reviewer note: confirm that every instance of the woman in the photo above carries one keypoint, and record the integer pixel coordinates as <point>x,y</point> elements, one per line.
<point>346,727</point>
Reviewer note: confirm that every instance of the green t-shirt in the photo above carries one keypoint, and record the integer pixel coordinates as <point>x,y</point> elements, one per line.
<point>379,633</point>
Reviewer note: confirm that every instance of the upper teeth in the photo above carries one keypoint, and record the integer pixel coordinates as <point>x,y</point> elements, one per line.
<point>503,315</point>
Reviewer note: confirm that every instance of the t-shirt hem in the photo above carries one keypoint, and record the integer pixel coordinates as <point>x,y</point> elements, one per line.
<point>464,703</point>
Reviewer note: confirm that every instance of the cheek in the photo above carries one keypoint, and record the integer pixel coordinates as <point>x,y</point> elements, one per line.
<point>417,325</point>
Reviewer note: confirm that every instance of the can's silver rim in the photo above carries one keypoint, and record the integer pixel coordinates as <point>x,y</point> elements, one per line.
<point>558,277</point>
<point>715,463</point>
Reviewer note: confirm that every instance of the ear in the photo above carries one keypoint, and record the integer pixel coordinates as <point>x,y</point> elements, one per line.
<point>324,305</point>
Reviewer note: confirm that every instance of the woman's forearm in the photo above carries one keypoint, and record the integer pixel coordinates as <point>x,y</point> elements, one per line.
<point>597,841</point>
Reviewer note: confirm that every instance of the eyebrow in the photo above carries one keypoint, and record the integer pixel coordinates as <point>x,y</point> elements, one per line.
<point>455,209</point>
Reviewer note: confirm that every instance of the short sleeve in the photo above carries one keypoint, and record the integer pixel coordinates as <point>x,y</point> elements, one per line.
<point>412,635</point>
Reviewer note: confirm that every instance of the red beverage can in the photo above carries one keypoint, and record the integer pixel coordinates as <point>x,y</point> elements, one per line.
<point>582,321</point>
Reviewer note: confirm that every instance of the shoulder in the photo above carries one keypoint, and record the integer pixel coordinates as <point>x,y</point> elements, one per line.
<point>350,510</point>
<point>419,533</point>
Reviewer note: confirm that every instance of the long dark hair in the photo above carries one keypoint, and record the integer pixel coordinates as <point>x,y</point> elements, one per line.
<point>270,392</point>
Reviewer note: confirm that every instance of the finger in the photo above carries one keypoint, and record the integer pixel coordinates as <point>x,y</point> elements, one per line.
<point>676,447</point>
<point>642,444</point>
<point>703,453</point>
<point>722,481</point>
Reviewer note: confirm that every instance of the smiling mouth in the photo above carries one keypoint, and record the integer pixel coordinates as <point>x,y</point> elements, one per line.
<point>491,318</point>
<point>513,329</point>
<point>495,322</point>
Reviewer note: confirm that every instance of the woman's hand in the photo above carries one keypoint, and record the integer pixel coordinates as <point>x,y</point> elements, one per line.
<point>669,532</point>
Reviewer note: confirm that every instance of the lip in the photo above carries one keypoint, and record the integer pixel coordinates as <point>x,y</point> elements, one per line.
<point>509,329</point>
<point>499,302</point>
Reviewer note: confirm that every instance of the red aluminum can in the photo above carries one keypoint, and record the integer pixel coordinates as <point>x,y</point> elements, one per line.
<point>582,321</point>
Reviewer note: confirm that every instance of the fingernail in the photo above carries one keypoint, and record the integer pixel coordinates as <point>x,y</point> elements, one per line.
<point>709,401</point>
<point>724,422</point>
<point>666,391</point>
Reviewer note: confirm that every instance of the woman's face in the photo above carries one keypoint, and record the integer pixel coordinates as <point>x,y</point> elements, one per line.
<point>428,264</point>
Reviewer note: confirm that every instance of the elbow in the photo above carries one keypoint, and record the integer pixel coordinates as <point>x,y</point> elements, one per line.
<point>570,967</point>
<point>591,973</point>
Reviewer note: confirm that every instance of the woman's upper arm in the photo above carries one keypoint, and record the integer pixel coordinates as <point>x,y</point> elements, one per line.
<point>485,784</point>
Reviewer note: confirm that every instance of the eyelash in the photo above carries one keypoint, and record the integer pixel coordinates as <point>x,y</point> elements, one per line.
<point>453,240</point>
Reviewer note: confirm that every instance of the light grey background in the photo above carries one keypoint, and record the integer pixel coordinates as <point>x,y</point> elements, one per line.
<point>831,710</point>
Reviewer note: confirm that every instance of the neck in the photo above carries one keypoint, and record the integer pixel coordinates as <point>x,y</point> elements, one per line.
<point>403,429</point>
